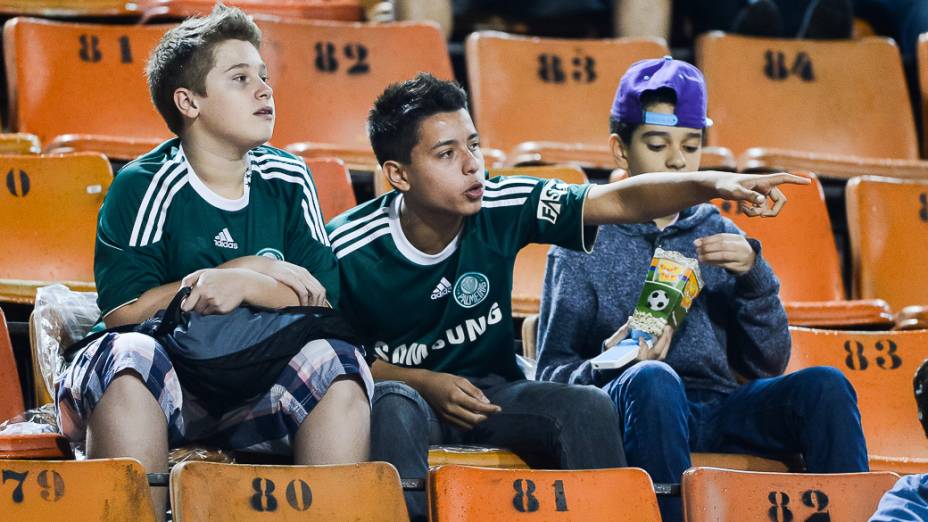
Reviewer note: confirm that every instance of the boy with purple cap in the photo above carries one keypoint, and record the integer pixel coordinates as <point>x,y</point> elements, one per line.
<point>683,393</point>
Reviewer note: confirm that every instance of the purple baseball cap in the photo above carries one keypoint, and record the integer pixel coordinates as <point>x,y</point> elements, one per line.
<point>649,75</point>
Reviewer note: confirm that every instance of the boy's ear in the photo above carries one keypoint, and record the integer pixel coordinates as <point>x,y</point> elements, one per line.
<point>397,175</point>
<point>186,103</point>
<point>619,153</point>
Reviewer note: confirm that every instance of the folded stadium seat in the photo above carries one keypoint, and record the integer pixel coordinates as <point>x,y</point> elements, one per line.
<point>792,96</point>
<point>333,185</point>
<point>344,10</point>
<point>107,489</point>
<point>922,52</point>
<point>19,143</point>
<point>912,318</point>
<point>48,219</point>
<point>471,455</point>
<point>459,493</point>
<point>880,365</point>
<point>22,446</point>
<point>11,395</point>
<point>514,81</point>
<point>93,95</point>
<point>203,491</point>
<point>831,166</point>
<point>812,295</point>
<point>711,495</point>
<point>70,8</point>
<point>888,228</point>
<point>326,76</point>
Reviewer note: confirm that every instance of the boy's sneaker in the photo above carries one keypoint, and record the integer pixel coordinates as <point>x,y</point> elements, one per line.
<point>828,20</point>
<point>759,18</point>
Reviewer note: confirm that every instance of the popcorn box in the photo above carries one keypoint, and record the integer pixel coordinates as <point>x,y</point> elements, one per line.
<point>671,285</point>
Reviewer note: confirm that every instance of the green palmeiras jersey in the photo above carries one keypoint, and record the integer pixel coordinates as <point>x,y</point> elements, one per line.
<point>451,311</point>
<point>160,222</point>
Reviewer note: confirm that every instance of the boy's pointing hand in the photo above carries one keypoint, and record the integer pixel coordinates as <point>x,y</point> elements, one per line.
<point>753,191</point>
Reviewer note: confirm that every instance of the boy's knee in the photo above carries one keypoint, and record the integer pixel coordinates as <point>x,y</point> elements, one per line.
<point>653,381</point>
<point>134,344</point>
<point>825,384</point>
<point>399,402</point>
<point>349,392</point>
<point>586,402</point>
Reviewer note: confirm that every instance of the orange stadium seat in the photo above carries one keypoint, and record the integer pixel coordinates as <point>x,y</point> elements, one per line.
<point>333,184</point>
<point>326,76</point>
<point>92,95</point>
<point>813,295</point>
<point>19,143</point>
<point>795,95</point>
<point>21,446</point>
<point>880,365</point>
<point>344,10</point>
<point>111,489</point>
<point>832,166</point>
<point>922,53</point>
<point>470,455</point>
<point>11,395</point>
<point>202,491</point>
<point>711,495</point>
<point>69,8</point>
<point>514,80</point>
<point>888,227</point>
<point>48,210</point>
<point>459,493</point>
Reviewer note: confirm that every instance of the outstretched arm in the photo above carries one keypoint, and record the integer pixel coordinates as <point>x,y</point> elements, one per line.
<point>642,198</point>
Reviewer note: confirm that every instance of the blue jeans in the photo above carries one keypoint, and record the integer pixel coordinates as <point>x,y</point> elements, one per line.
<point>812,412</point>
<point>574,427</point>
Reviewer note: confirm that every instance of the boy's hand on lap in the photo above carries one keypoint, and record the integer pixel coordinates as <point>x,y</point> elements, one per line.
<point>216,290</point>
<point>456,399</point>
<point>309,290</point>
<point>656,352</point>
<point>729,251</point>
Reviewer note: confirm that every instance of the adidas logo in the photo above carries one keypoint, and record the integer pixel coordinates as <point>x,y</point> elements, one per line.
<point>443,289</point>
<point>224,240</point>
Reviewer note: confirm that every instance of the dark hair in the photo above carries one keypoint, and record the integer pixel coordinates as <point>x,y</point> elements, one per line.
<point>184,56</point>
<point>648,98</point>
<point>393,123</point>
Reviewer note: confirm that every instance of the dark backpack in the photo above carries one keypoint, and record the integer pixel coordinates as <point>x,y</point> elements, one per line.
<point>225,360</point>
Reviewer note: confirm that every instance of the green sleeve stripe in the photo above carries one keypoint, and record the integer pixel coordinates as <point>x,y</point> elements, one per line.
<point>150,209</point>
<point>380,230</point>
<point>359,234</point>
<point>355,223</point>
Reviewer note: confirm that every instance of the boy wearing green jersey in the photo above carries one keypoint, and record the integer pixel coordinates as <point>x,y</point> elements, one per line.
<point>426,273</point>
<point>237,221</point>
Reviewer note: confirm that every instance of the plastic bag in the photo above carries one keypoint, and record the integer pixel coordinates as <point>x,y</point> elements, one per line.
<point>61,317</point>
<point>199,454</point>
<point>38,420</point>
<point>527,366</point>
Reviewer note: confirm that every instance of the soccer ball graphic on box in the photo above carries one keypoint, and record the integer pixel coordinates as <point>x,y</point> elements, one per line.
<point>672,282</point>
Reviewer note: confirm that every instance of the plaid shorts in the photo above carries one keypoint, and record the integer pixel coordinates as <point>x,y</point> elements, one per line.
<point>265,424</point>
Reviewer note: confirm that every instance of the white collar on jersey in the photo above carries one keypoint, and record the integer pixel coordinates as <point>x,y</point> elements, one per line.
<point>406,248</point>
<point>211,197</point>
